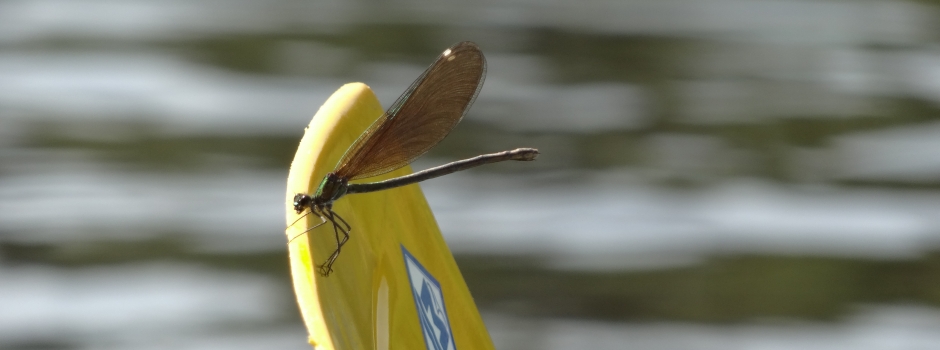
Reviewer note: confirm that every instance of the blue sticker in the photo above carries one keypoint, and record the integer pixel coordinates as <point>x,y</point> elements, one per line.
<point>429,301</point>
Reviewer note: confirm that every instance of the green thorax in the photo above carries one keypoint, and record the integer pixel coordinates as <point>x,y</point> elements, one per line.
<point>331,188</point>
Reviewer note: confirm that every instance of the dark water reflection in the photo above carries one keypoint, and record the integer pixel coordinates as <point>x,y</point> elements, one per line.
<point>735,174</point>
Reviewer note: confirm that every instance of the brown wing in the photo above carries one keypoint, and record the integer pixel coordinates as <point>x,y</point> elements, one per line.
<point>428,110</point>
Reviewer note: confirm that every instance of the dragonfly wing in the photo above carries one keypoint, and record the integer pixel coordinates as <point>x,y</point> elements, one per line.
<point>428,110</point>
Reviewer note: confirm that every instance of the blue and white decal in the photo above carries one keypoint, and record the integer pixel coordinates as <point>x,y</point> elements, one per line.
<point>429,301</point>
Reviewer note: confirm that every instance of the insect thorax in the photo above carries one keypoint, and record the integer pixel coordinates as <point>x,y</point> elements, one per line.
<point>331,188</point>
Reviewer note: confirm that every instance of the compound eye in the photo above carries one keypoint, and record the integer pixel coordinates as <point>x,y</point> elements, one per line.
<point>300,202</point>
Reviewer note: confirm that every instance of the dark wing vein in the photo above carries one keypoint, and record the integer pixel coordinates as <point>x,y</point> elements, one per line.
<point>428,110</point>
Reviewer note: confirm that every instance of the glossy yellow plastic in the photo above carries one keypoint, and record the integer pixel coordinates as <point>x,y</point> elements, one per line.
<point>367,302</point>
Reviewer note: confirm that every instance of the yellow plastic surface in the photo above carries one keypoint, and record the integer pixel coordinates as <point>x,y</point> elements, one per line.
<point>367,302</point>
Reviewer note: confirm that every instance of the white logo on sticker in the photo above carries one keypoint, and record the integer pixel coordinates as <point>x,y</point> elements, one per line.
<point>429,301</point>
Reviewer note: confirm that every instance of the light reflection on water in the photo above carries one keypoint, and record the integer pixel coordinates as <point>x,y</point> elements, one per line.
<point>900,327</point>
<point>136,136</point>
<point>126,304</point>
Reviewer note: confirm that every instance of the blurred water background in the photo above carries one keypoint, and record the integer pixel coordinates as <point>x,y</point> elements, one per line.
<point>715,174</point>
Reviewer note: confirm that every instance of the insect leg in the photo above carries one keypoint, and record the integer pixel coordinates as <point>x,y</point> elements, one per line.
<point>346,231</point>
<point>340,226</point>
<point>301,218</point>
<point>309,229</point>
